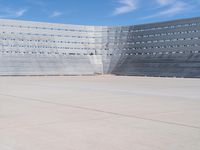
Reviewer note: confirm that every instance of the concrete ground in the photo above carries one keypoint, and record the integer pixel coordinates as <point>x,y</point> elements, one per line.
<point>99,113</point>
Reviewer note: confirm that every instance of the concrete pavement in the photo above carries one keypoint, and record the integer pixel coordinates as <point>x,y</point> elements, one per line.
<point>99,113</point>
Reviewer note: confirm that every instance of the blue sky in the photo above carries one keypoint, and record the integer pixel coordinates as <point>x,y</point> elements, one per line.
<point>99,12</point>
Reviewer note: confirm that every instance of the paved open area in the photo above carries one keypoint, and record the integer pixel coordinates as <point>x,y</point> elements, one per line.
<point>99,113</point>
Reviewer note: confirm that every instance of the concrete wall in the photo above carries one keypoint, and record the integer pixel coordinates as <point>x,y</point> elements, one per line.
<point>162,49</point>
<point>158,49</point>
<point>33,48</point>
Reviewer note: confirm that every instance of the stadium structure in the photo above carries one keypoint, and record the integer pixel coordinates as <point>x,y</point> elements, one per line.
<point>167,49</point>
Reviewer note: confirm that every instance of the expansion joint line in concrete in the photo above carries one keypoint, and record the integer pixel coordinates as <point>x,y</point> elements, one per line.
<point>101,111</point>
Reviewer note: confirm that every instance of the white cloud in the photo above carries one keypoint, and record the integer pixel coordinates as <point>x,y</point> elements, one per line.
<point>165,2</point>
<point>20,12</point>
<point>55,14</point>
<point>174,9</point>
<point>7,12</point>
<point>126,7</point>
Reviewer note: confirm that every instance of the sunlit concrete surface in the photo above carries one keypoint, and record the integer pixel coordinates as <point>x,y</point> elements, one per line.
<point>99,113</point>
